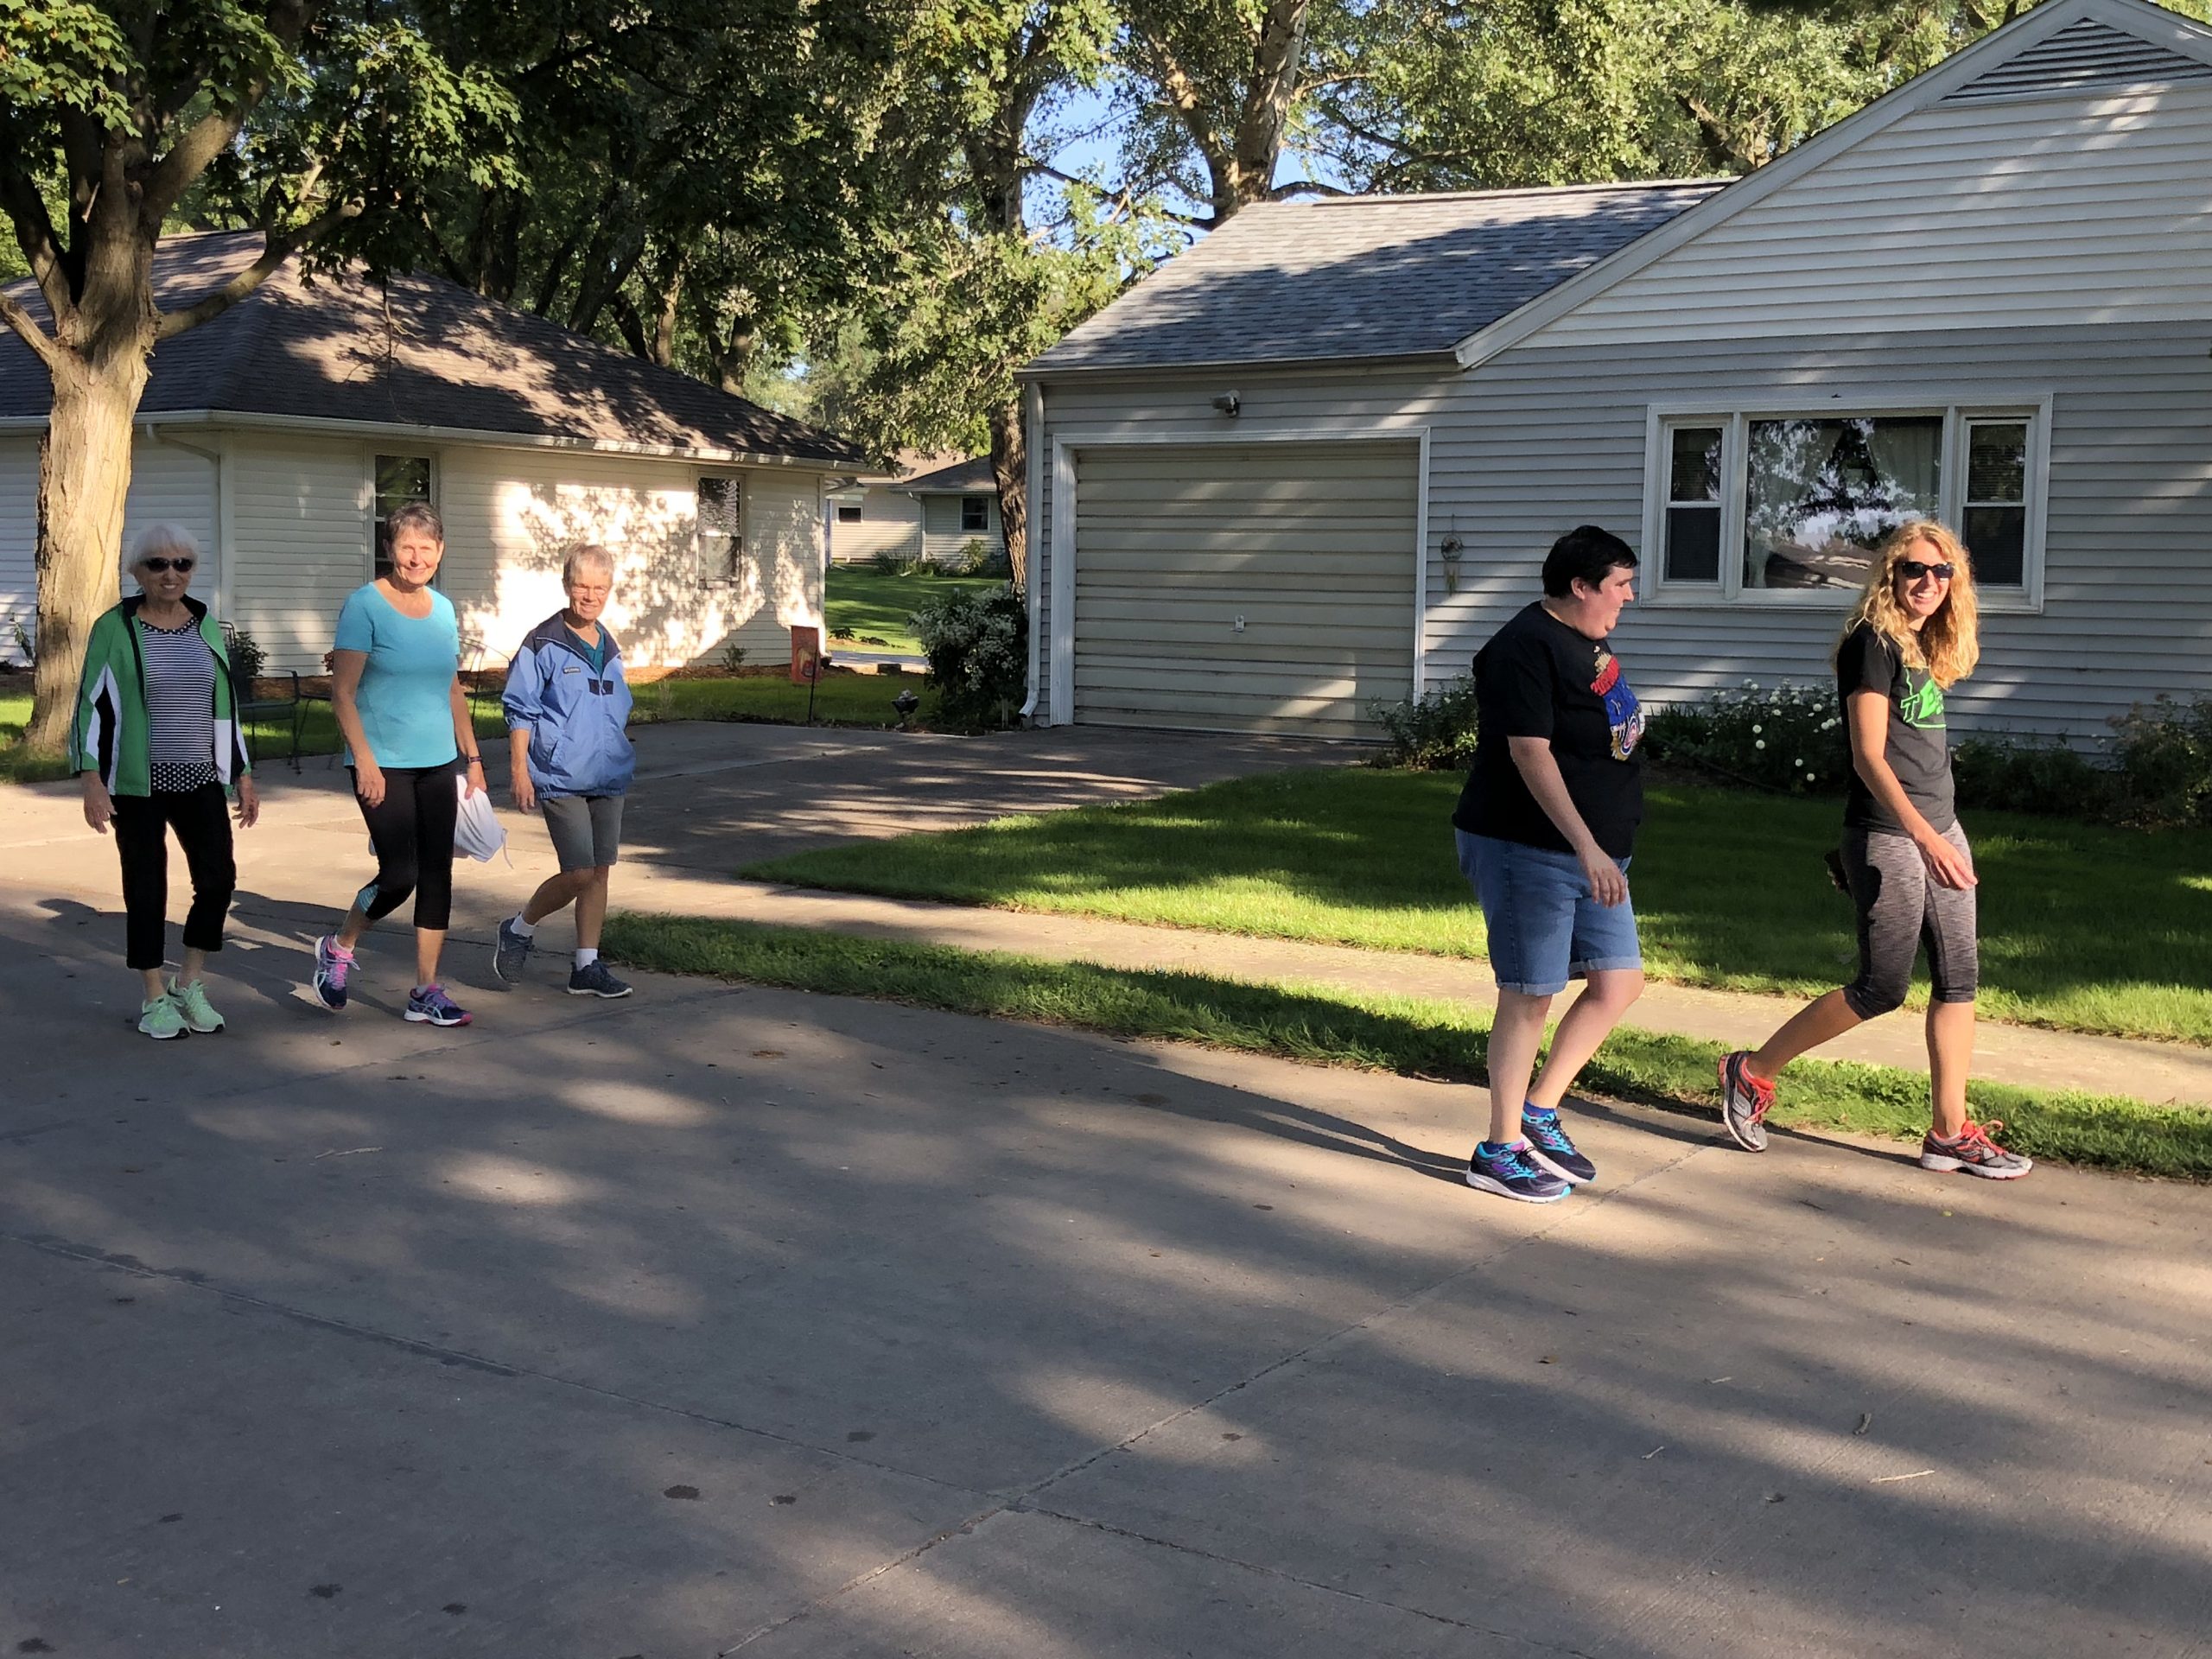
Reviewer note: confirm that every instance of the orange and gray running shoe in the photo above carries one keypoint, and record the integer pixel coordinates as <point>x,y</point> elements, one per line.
<point>1971,1152</point>
<point>1744,1101</point>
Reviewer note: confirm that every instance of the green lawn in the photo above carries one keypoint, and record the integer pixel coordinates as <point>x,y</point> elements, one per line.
<point>1413,1036</point>
<point>839,700</point>
<point>2084,927</point>
<point>864,604</point>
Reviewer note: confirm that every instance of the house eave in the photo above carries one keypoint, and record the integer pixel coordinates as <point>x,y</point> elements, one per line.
<point>1441,357</point>
<point>257,420</point>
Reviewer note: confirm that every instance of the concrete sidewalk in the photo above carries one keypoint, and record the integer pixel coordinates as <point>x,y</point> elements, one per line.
<point>754,791</point>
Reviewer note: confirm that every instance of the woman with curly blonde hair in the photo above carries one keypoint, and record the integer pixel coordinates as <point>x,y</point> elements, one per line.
<point>1912,636</point>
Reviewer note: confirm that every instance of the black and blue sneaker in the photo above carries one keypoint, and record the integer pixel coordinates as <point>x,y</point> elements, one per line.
<point>1511,1172</point>
<point>1549,1146</point>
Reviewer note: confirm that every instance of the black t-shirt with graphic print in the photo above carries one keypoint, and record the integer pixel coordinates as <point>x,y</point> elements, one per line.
<point>1538,677</point>
<point>1919,745</point>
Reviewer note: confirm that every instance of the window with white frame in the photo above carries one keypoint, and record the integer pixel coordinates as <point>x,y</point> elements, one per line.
<point>397,481</point>
<point>1787,508</point>
<point>975,512</point>
<point>721,530</point>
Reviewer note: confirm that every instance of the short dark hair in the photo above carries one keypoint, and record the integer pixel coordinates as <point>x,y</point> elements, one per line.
<point>418,516</point>
<point>1586,554</point>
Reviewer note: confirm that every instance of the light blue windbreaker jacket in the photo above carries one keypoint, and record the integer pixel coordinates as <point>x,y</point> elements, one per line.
<point>576,716</point>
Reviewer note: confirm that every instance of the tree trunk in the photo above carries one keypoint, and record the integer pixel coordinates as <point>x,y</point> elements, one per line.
<point>1010,467</point>
<point>84,474</point>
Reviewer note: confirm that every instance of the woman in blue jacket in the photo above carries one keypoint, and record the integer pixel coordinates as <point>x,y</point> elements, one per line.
<point>566,705</point>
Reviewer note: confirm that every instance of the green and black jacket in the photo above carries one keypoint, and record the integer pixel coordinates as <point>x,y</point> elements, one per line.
<point>112,734</point>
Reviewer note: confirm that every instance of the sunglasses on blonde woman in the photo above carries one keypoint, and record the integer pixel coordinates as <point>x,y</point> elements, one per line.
<point>1913,570</point>
<point>182,567</point>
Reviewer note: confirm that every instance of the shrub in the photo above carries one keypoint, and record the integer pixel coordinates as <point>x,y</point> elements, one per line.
<point>1434,731</point>
<point>247,656</point>
<point>2047,778</point>
<point>2164,752</point>
<point>898,562</point>
<point>978,648</point>
<point>1791,740</point>
<point>25,646</point>
<point>978,558</point>
<point>733,658</point>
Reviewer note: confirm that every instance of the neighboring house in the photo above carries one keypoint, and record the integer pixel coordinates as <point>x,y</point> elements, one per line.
<point>960,505</point>
<point>285,432</point>
<point>931,508</point>
<point>1315,461</point>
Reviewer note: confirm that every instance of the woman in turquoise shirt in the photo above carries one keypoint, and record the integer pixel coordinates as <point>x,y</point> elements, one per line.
<point>394,682</point>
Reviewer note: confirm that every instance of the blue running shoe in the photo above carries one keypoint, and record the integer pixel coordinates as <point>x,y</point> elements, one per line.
<point>1510,1173</point>
<point>593,980</point>
<point>431,1006</point>
<point>333,962</point>
<point>1549,1146</point>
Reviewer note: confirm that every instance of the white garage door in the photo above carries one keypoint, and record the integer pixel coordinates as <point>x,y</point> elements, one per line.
<point>1263,588</point>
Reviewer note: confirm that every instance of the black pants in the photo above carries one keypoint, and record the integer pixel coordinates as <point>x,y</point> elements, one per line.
<point>202,822</point>
<point>412,832</point>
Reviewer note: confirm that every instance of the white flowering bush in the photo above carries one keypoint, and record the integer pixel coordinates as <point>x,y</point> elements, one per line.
<point>1788,738</point>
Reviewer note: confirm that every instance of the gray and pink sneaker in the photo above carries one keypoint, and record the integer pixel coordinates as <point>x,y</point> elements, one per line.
<point>1744,1101</point>
<point>1971,1152</point>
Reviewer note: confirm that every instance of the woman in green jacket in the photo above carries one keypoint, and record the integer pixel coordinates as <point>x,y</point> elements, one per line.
<point>155,741</point>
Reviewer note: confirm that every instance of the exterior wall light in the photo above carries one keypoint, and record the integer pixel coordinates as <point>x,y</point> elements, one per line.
<point>1228,403</point>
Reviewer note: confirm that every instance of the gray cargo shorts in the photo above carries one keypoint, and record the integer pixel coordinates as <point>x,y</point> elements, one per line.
<point>587,829</point>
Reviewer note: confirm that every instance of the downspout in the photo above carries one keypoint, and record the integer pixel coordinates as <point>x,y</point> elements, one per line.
<point>214,459</point>
<point>1032,418</point>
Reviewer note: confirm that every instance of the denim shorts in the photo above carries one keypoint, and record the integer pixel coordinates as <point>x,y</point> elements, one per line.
<point>1544,927</point>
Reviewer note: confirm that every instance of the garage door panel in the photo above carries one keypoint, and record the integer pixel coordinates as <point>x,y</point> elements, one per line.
<point>1311,544</point>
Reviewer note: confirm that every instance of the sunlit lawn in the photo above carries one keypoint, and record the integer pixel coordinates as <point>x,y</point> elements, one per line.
<point>2084,927</point>
<point>867,605</point>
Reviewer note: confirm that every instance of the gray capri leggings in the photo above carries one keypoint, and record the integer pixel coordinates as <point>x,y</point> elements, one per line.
<point>1899,906</point>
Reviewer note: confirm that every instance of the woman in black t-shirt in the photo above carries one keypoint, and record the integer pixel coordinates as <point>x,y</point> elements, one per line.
<point>1911,875</point>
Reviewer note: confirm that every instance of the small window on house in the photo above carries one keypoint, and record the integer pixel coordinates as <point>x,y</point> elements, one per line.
<point>1693,503</point>
<point>400,480</point>
<point>1996,516</point>
<point>721,540</point>
<point>1821,493</point>
<point>849,512</point>
<point>975,512</point>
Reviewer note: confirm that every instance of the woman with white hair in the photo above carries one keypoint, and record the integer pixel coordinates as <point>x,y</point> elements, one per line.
<point>156,741</point>
<point>566,705</point>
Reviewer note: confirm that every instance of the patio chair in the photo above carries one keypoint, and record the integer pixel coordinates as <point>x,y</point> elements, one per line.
<point>247,707</point>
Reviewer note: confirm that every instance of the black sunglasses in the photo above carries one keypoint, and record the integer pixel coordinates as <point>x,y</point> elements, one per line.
<point>1913,570</point>
<point>182,567</point>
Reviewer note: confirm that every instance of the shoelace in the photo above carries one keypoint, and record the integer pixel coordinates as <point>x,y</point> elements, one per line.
<point>1762,1093</point>
<point>1546,1133</point>
<point>1974,1137</point>
<point>335,968</point>
<point>1517,1164</point>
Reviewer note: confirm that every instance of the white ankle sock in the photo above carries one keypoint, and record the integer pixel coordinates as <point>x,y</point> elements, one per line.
<point>526,929</point>
<point>586,955</point>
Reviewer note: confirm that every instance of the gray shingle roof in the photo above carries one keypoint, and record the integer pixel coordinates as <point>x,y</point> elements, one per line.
<point>1358,276</point>
<point>962,478</point>
<point>449,359</point>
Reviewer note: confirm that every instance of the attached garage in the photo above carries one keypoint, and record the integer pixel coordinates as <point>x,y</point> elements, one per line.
<point>1244,587</point>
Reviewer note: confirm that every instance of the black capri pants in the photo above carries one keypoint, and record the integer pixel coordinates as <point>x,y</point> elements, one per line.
<point>201,819</point>
<point>412,831</point>
<point>1900,905</point>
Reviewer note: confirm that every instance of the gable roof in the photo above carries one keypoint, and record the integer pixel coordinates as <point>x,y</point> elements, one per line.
<point>2156,41</point>
<point>321,350</point>
<point>962,478</point>
<point>1365,277</point>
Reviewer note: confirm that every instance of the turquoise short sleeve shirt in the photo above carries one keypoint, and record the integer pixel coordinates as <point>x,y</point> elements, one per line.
<point>406,694</point>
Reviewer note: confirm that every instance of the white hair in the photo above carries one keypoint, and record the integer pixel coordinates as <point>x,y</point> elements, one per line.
<point>582,554</point>
<point>156,540</point>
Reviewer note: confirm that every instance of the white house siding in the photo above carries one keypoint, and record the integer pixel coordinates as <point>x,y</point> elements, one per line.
<point>510,513</point>
<point>300,540</point>
<point>889,523</point>
<point>1539,440</point>
<point>1972,214</point>
<point>943,540</point>
<point>167,485</point>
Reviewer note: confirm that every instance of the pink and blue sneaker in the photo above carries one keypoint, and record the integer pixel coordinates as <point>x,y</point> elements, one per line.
<point>333,962</point>
<point>429,1004</point>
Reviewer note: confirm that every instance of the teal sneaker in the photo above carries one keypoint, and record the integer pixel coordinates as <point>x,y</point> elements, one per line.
<point>160,1019</point>
<point>192,1002</point>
